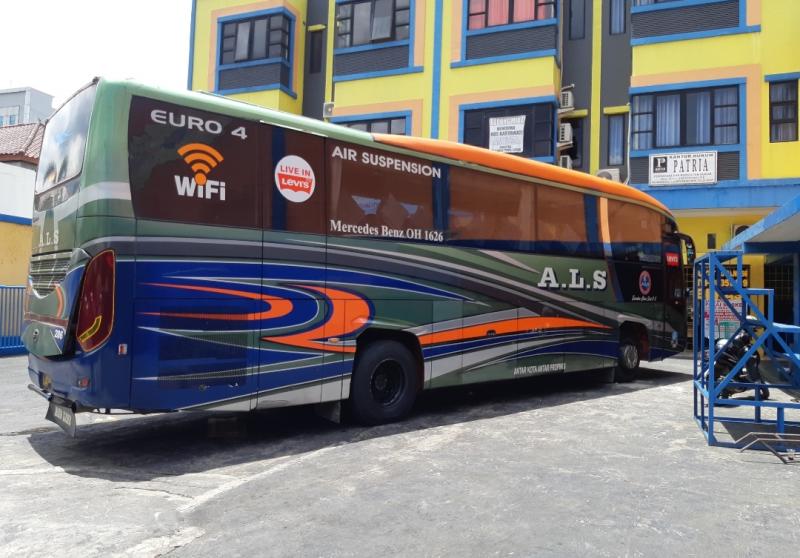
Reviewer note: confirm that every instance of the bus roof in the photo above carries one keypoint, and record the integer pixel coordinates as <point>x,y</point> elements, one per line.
<point>519,165</point>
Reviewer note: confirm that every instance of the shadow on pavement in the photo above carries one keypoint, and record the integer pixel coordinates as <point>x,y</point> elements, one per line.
<point>146,447</point>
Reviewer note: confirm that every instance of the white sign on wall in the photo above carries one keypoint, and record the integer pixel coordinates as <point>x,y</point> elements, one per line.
<point>507,133</point>
<point>699,167</point>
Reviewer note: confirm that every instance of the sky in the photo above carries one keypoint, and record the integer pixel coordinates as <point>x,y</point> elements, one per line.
<point>57,46</point>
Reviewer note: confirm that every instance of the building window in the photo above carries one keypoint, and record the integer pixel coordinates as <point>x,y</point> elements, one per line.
<point>372,21</point>
<point>528,129</point>
<point>576,151</point>
<point>380,125</point>
<point>315,52</point>
<point>8,115</point>
<point>255,39</point>
<point>783,111</point>
<point>616,139</point>
<point>686,118</point>
<point>577,13</point>
<point>489,13</point>
<point>618,13</point>
<point>649,2</point>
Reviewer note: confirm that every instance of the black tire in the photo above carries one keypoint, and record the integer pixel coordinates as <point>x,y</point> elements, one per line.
<point>764,393</point>
<point>629,359</point>
<point>385,383</point>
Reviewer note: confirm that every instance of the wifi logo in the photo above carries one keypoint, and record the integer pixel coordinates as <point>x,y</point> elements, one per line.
<point>201,158</point>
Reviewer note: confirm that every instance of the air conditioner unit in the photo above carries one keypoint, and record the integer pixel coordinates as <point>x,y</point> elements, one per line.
<point>738,229</point>
<point>327,110</point>
<point>567,101</point>
<point>609,174</point>
<point>565,161</point>
<point>565,133</point>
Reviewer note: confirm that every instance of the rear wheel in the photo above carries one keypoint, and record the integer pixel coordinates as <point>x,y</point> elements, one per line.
<point>384,384</point>
<point>629,359</point>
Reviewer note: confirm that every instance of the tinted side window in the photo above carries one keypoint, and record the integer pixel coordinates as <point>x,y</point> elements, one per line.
<point>562,217</point>
<point>188,165</point>
<point>485,208</point>
<point>295,200</point>
<point>635,232</point>
<point>378,193</point>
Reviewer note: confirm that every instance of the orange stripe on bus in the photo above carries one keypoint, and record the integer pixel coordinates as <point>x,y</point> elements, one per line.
<point>349,313</point>
<point>503,327</point>
<point>278,307</point>
<point>518,165</point>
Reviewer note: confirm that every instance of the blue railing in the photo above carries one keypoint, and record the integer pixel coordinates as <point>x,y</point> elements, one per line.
<point>12,300</point>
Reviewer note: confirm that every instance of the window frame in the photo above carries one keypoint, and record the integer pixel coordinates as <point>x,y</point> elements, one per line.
<point>516,109</point>
<point>582,34</point>
<point>622,119</point>
<point>714,126</point>
<point>537,5</point>
<point>792,83</point>
<point>624,7</point>
<point>351,122</point>
<point>286,30</point>
<point>393,26</point>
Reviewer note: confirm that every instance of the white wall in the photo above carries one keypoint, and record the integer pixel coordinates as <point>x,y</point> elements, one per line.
<point>16,191</point>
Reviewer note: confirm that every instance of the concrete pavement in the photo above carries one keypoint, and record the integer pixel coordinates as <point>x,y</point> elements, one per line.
<point>558,466</point>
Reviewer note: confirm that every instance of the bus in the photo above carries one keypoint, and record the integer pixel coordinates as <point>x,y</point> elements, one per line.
<point>192,252</point>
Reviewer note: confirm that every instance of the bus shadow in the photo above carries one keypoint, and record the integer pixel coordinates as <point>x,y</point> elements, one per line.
<point>143,448</point>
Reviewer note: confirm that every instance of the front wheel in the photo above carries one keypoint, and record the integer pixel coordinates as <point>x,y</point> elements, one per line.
<point>629,359</point>
<point>384,384</point>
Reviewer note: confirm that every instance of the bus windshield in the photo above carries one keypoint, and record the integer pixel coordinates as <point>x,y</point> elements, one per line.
<point>64,141</point>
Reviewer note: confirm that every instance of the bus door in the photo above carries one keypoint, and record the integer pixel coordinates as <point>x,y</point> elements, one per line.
<point>296,366</point>
<point>198,221</point>
<point>675,299</point>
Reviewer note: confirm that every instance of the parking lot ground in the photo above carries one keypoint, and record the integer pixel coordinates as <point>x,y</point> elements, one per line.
<point>557,466</point>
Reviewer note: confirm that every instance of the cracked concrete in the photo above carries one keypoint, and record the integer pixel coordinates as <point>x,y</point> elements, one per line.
<point>546,467</point>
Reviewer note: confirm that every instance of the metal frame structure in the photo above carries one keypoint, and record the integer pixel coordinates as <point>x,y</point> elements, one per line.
<point>713,281</point>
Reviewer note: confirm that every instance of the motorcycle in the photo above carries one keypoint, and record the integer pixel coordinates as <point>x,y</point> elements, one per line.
<point>730,357</point>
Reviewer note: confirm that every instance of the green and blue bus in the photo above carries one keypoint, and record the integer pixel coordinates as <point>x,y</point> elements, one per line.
<point>191,252</point>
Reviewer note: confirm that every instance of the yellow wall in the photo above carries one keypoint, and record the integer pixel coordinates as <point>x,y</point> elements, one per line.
<point>15,253</point>
<point>485,83</point>
<point>752,56</point>
<point>205,55</point>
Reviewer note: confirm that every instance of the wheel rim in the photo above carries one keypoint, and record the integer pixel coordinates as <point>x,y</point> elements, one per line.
<point>630,356</point>
<point>387,382</point>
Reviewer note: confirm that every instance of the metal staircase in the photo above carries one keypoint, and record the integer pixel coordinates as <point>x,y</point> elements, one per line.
<point>750,415</point>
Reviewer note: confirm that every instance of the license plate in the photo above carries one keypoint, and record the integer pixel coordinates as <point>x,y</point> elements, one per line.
<point>62,416</point>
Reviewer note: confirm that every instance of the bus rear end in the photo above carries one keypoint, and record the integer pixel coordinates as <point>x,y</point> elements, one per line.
<point>69,320</point>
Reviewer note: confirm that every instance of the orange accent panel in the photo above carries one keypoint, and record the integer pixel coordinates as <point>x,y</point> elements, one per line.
<point>355,311</point>
<point>278,307</point>
<point>503,327</point>
<point>519,165</point>
<point>455,30</point>
<point>419,33</point>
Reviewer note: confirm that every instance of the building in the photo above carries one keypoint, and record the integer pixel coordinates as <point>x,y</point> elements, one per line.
<point>20,146</point>
<point>694,101</point>
<point>24,105</point>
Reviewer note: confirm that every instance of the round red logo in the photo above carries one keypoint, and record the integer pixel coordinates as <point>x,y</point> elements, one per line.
<point>645,282</point>
<point>294,178</point>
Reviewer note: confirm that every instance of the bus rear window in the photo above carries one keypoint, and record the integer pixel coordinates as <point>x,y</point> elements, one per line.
<point>64,141</point>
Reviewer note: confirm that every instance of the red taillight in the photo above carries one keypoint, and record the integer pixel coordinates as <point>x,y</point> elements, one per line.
<point>96,307</point>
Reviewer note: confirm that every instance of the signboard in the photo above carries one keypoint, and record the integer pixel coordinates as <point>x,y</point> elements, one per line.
<point>683,168</point>
<point>725,321</point>
<point>507,133</point>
